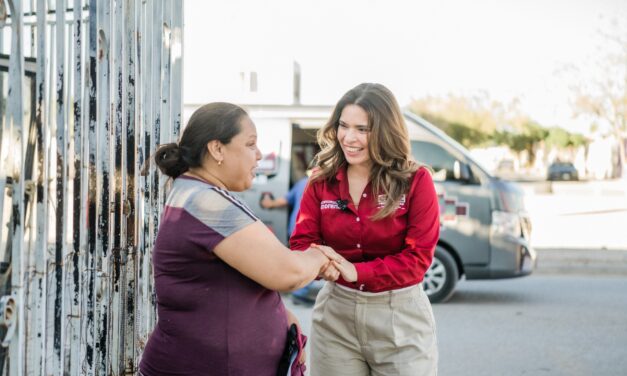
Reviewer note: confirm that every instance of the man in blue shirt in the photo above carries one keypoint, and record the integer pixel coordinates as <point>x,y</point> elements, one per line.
<point>292,198</point>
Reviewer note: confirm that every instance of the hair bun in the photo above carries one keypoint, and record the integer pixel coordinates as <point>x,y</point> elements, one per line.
<point>170,161</point>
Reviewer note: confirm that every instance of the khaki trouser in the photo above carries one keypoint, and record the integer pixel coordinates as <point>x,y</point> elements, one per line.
<point>357,333</point>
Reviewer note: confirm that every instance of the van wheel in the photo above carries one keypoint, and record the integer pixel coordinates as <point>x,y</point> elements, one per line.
<point>440,279</point>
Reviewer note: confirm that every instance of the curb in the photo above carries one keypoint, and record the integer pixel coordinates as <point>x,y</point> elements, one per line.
<point>581,261</point>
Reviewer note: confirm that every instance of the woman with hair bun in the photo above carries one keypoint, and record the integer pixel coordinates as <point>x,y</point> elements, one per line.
<point>217,268</point>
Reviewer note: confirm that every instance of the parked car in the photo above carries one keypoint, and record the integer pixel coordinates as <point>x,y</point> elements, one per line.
<point>506,165</point>
<point>562,171</point>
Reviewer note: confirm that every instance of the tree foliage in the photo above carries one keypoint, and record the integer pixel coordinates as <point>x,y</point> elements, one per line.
<point>493,124</point>
<point>462,133</point>
<point>560,138</point>
<point>475,112</point>
<point>523,140</point>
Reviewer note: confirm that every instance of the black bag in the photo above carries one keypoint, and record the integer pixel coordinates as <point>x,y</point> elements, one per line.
<point>291,350</point>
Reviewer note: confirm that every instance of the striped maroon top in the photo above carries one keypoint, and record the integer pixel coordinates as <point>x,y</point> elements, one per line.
<point>212,320</point>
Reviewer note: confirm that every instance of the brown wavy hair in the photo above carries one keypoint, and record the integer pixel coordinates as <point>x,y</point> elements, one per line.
<point>388,144</point>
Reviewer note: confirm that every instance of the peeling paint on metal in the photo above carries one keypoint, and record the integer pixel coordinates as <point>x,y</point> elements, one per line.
<point>104,91</point>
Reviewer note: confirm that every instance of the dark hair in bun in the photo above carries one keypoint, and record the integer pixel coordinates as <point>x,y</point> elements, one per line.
<point>170,161</point>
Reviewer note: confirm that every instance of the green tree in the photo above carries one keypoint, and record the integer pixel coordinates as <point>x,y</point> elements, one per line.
<point>475,112</point>
<point>561,138</point>
<point>479,121</point>
<point>463,134</point>
<point>558,138</point>
<point>526,138</point>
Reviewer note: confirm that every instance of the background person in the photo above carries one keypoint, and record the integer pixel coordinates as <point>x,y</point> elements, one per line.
<point>292,199</point>
<point>377,208</point>
<point>216,266</point>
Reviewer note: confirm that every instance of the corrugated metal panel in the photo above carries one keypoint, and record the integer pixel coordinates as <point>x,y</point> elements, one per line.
<point>86,95</point>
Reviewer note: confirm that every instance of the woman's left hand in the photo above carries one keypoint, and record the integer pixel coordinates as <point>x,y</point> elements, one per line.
<point>346,268</point>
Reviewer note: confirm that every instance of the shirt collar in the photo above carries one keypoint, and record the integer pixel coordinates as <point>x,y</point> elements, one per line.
<point>342,181</point>
<point>342,178</point>
<point>341,173</point>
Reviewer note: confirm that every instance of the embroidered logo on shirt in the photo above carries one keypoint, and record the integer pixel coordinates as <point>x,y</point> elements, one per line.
<point>381,199</point>
<point>329,204</point>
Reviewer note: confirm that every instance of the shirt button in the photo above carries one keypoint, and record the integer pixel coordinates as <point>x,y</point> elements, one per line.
<point>365,195</point>
<point>358,245</point>
<point>361,287</point>
<point>357,219</point>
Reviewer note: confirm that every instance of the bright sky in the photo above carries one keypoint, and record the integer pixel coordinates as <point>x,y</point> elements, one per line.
<point>506,48</point>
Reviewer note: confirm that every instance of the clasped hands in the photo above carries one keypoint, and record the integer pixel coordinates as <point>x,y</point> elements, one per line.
<point>336,266</point>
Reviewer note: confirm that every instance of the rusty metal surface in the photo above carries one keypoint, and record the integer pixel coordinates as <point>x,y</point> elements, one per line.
<point>86,95</point>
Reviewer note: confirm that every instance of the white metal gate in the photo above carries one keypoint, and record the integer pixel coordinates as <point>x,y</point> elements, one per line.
<point>88,89</point>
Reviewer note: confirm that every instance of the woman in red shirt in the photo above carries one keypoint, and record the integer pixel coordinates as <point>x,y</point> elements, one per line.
<point>377,208</point>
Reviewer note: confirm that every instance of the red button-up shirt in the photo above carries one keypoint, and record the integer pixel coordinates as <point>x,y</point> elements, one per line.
<point>390,253</point>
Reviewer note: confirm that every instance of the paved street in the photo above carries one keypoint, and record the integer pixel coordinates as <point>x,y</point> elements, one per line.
<point>538,325</point>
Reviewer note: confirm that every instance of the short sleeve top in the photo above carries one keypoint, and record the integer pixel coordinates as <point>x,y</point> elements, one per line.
<point>211,318</point>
